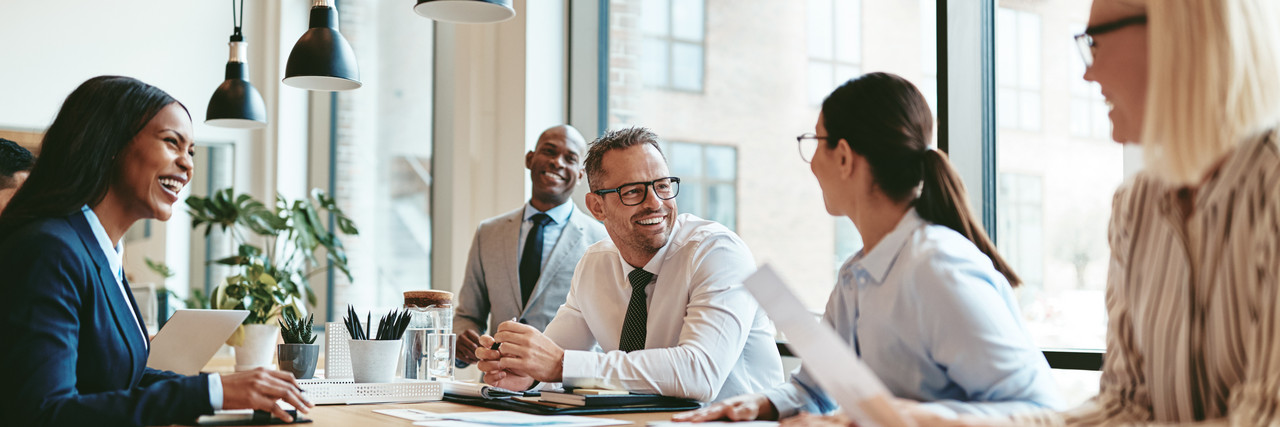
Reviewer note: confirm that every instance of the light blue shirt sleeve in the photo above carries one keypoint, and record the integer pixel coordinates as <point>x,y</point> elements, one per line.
<point>982,346</point>
<point>934,320</point>
<point>799,394</point>
<point>215,391</point>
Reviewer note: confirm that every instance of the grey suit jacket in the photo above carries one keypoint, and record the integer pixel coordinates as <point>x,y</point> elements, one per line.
<point>491,288</point>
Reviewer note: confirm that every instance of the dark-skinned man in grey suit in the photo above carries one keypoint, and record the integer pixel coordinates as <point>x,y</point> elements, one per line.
<point>521,262</point>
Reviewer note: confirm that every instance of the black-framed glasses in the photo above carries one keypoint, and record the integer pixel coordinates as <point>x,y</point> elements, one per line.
<point>634,193</point>
<point>1086,44</point>
<point>808,144</point>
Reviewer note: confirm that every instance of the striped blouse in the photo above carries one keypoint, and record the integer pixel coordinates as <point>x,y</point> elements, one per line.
<point>1193,302</point>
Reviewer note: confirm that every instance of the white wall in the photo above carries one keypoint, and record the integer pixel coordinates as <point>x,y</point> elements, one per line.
<point>179,46</point>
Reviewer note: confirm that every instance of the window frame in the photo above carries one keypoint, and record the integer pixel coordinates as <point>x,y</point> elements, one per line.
<point>967,132</point>
<point>670,40</point>
<point>834,62</point>
<point>702,181</point>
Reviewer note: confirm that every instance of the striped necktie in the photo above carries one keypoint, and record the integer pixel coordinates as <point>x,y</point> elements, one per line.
<point>634,329</point>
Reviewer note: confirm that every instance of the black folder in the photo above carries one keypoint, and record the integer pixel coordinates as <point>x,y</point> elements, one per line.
<point>666,404</point>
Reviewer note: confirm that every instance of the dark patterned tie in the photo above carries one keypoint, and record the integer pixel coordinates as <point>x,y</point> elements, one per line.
<point>633,326</point>
<point>531,258</point>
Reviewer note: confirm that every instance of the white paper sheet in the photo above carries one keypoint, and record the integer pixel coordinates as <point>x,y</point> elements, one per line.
<point>839,372</point>
<point>713,423</point>
<point>409,414</point>
<point>517,419</point>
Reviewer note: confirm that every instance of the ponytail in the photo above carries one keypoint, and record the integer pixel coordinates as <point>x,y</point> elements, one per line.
<point>885,118</point>
<point>942,201</point>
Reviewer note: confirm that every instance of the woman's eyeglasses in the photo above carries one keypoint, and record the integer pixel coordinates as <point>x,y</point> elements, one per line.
<point>1086,44</point>
<point>808,144</point>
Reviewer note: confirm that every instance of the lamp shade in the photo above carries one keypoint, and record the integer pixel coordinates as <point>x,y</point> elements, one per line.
<point>236,103</point>
<point>466,11</point>
<point>322,59</point>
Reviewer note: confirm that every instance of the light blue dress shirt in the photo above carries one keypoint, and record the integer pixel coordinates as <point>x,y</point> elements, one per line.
<point>930,315</point>
<point>550,232</point>
<point>115,261</point>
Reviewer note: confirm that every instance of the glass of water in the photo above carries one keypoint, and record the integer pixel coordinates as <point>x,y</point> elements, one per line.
<point>441,347</point>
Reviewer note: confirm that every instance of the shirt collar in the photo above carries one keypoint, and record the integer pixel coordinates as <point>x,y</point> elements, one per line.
<point>881,258</point>
<point>113,253</point>
<point>558,214</point>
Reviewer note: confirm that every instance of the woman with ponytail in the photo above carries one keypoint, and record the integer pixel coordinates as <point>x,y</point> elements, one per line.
<point>928,302</point>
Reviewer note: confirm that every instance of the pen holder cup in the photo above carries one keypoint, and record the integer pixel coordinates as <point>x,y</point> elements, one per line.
<point>374,361</point>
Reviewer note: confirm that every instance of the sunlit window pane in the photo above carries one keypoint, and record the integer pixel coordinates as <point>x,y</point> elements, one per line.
<point>687,70</point>
<point>655,17</point>
<point>686,20</point>
<point>1057,170</point>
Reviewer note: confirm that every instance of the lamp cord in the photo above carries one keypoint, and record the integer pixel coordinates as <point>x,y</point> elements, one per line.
<point>237,22</point>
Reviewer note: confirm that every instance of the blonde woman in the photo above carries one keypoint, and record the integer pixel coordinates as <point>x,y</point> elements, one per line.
<point>1193,291</point>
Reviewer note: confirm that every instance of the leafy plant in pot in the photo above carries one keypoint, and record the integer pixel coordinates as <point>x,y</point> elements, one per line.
<point>299,352</point>
<point>274,277</point>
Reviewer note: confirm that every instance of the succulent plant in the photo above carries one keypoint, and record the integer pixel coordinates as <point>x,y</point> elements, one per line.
<point>295,330</point>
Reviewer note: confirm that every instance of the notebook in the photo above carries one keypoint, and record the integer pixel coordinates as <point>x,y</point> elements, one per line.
<point>189,339</point>
<point>602,399</point>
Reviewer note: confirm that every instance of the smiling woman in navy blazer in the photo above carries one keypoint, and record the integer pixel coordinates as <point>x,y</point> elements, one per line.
<point>72,348</point>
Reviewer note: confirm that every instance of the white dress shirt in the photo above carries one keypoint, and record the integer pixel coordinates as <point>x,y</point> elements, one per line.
<point>559,216</point>
<point>115,261</point>
<point>707,338</point>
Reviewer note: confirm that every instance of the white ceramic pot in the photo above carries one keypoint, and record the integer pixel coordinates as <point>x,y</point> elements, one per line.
<point>258,349</point>
<point>374,361</point>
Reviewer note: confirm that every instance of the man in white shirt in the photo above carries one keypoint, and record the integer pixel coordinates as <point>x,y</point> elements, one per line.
<point>663,298</point>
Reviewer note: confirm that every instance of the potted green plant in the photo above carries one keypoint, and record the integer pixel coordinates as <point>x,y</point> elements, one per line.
<point>275,266</point>
<point>299,352</point>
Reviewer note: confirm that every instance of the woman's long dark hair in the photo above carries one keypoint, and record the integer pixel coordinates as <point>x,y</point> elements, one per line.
<point>885,119</point>
<point>78,155</point>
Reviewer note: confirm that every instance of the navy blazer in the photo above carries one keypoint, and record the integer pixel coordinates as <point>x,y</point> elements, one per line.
<point>70,353</point>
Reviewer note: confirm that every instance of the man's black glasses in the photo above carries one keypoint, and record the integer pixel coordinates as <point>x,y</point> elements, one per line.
<point>634,193</point>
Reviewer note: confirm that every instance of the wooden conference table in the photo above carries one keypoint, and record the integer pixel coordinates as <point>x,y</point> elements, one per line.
<point>363,415</point>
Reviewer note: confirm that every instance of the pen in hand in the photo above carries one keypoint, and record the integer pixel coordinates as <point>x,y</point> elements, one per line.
<point>496,344</point>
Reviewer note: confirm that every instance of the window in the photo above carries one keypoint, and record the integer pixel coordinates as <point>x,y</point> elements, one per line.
<point>673,43</point>
<point>1018,69</point>
<point>708,180</point>
<point>215,170</point>
<point>1020,213</point>
<point>928,83</point>
<point>381,156</point>
<point>835,44</point>
<point>1054,185</point>
<point>745,129</point>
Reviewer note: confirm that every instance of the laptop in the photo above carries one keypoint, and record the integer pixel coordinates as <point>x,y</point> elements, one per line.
<point>189,339</point>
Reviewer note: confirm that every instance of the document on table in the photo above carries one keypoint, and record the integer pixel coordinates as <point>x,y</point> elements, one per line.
<point>824,354</point>
<point>496,418</point>
<point>713,423</point>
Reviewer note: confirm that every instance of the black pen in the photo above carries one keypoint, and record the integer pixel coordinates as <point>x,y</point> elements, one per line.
<point>496,344</point>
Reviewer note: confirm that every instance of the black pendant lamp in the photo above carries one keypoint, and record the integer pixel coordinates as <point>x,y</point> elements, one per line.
<point>236,103</point>
<point>466,11</point>
<point>322,59</point>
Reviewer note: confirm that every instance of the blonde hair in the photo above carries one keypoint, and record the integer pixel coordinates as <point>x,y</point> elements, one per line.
<point>1213,82</point>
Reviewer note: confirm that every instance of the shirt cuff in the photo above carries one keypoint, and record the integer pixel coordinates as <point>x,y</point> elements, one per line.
<point>579,365</point>
<point>215,391</point>
<point>785,400</point>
